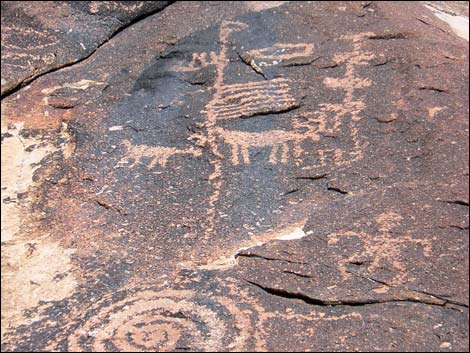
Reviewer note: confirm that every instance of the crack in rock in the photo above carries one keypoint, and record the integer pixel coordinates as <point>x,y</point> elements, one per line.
<point>355,301</point>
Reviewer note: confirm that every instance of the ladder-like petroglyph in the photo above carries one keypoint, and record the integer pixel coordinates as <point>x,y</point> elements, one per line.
<point>380,250</point>
<point>243,100</point>
<point>349,110</point>
<point>158,155</point>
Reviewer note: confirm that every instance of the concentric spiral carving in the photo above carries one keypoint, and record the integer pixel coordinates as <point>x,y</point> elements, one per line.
<point>164,320</point>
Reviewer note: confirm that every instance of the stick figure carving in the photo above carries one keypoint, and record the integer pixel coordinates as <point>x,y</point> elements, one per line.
<point>383,249</point>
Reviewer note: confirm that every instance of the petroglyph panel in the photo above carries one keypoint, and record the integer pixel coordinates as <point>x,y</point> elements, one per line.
<point>289,141</point>
<point>196,223</point>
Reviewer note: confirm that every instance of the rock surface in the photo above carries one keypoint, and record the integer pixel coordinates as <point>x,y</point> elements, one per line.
<point>40,36</point>
<point>248,176</point>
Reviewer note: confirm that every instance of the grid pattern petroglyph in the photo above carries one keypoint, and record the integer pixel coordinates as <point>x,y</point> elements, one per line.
<point>251,98</point>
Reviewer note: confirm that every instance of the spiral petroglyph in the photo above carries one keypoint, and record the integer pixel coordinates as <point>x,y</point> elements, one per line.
<point>165,320</point>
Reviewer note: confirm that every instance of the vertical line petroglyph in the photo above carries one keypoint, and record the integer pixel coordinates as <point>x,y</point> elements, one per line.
<point>226,29</point>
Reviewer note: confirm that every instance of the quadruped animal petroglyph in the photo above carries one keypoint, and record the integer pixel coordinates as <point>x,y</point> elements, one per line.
<point>157,155</point>
<point>198,61</point>
<point>242,141</point>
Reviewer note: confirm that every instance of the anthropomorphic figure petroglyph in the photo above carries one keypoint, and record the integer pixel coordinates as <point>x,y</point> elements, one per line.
<point>381,248</point>
<point>158,155</point>
<point>349,110</point>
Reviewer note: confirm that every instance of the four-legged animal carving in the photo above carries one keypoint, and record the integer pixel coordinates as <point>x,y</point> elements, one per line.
<point>241,141</point>
<point>158,155</point>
